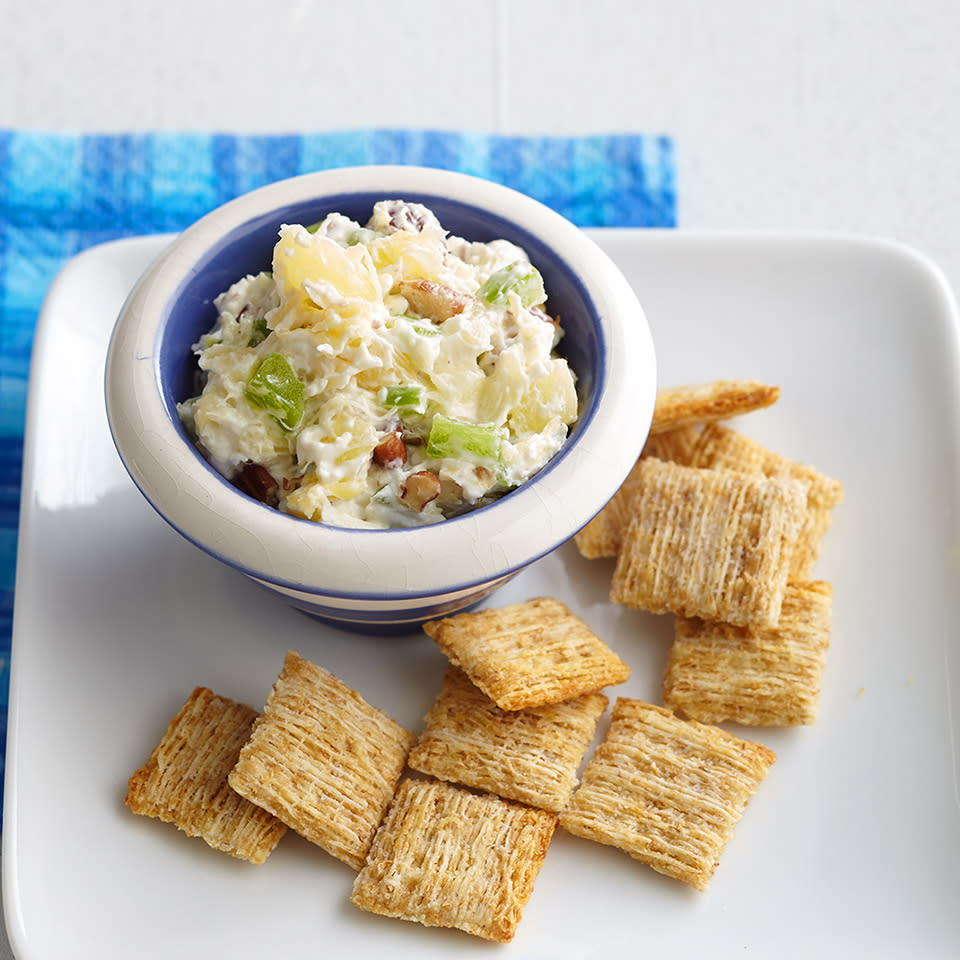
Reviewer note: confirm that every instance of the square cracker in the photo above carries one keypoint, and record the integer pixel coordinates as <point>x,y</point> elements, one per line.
<point>708,543</point>
<point>447,857</point>
<point>322,760</point>
<point>185,780</point>
<point>528,654</point>
<point>666,791</point>
<point>708,402</point>
<point>528,755</point>
<point>721,448</point>
<point>676,444</point>
<point>766,677</point>
<point>601,537</point>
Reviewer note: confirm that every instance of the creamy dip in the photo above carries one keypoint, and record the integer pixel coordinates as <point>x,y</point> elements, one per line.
<point>384,375</point>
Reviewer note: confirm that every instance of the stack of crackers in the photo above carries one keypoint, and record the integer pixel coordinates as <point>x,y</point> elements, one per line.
<point>723,533</point>
<point>450,827</point>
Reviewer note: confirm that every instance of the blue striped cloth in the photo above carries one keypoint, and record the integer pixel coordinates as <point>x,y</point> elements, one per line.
<point>63,192</point>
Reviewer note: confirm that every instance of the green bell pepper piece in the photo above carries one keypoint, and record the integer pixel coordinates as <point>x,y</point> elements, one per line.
<point>457,439</point>
<point>520,278</point>
<point>275,387</point>
<point>408,396</point>
<point>258,332</point>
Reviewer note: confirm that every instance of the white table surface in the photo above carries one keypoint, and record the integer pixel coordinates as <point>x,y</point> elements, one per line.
<point>815,115</point>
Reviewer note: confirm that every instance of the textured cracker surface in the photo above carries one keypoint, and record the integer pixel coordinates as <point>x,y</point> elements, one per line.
<point>601,537</point>
<point>708,543</point>
<point>676,444</point>
<point>721,448</point>
<point>708,402</point>
<point>446,857</point>
<point>185,780</point>
<point>528,755</point>
<point>323,760</point>
<point>666,791</point>
<point>528,654</point>
<point>768,677</point>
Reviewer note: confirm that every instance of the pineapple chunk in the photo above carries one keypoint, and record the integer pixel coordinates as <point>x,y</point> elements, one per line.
<point>407,256</point>
<point>551,396</point>
<point>300,257</point>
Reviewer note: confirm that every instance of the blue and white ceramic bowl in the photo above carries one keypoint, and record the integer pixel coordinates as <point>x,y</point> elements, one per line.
<point>378,580</point>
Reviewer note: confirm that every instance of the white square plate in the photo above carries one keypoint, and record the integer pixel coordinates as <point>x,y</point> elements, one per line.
<point>851,847</point>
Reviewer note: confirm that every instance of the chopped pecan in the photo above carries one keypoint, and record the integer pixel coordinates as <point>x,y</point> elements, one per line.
<point>257,481</point>
<point>420,489</point>
<point>432,300</point>
<point>392,215</point>
<point>391,452</point>
<point>407,216</point>
<point>543,315</point>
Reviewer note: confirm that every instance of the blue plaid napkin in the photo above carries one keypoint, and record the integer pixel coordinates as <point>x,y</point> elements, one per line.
<point>61,193</point>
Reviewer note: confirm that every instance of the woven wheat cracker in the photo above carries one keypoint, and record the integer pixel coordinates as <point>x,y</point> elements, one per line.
<point>185,780</point>
<point>601,537</point>
<point>709,543</point>
<point>447,857</point>
<point>721,448</point>
<point>667,791</point>
<point>708,402</point>
<point>528,654</point>
<point>767,677</point>
<point>322,760</point>
<point>676,444</point>
<point>528,755</point>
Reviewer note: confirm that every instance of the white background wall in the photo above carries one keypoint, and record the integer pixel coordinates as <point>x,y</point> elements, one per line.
<point>838,115</point>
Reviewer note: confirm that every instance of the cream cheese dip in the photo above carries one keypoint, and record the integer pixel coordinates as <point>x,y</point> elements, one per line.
<point>385,375</point>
